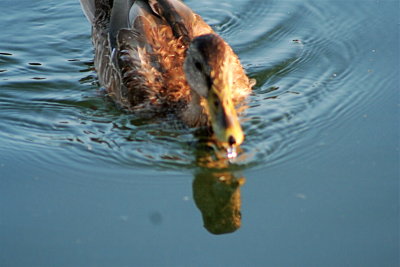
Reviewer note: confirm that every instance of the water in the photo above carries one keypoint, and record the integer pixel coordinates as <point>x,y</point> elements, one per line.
<point>85,184</point>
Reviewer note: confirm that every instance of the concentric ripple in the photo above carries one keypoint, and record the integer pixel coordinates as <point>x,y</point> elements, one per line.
<point>300,53</point>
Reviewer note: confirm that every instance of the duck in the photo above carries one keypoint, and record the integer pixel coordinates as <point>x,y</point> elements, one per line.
<point>158,57</point>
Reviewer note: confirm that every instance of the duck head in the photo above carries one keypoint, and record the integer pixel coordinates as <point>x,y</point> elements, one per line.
<point>209,73</point>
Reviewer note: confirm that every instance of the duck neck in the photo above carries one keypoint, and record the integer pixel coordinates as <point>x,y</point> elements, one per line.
<point>195,114</point>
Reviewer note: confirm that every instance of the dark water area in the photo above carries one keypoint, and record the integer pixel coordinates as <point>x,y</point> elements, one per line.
<point>317,183</point>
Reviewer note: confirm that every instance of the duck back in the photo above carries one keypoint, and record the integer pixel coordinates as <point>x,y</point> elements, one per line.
<point>140,48</point>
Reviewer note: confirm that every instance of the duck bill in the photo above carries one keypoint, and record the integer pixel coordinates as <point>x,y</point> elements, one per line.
<point>224,119</point>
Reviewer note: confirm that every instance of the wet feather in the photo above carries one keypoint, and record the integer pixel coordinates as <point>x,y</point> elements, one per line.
<point>142,69</point>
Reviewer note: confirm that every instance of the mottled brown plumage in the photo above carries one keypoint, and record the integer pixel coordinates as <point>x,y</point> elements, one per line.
<point>141,48</point>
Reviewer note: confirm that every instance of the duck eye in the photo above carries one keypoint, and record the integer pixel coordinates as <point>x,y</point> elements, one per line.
<point>198,66</point>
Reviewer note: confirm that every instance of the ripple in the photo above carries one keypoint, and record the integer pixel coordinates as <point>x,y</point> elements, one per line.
<point>311,77</point>
<point>305,57</point>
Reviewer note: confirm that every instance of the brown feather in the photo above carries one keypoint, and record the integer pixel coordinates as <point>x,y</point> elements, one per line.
<point>145,72</point>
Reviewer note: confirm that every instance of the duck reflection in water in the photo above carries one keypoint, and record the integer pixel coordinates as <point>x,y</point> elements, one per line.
<point>216,192</point>
<point>217,195</point>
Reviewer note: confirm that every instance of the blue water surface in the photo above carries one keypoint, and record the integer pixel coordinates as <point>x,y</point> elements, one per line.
<point>85,184</point>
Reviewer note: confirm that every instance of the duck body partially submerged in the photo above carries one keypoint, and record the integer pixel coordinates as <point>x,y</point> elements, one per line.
<point>158,57</point>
